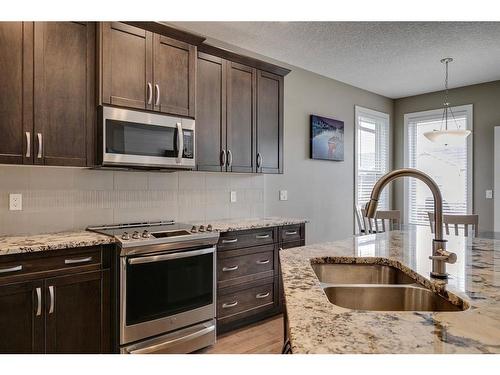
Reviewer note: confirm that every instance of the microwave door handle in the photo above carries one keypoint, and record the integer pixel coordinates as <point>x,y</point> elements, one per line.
<point>180,143</point>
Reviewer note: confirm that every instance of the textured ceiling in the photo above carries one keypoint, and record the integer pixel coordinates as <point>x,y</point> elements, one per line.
<point>394,59</point>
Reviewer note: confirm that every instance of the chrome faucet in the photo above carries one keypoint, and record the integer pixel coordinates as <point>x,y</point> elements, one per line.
<point>439,255</point>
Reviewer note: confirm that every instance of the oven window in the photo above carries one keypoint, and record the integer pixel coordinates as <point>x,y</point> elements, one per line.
<point>159,289</point>
<point>130,138</point>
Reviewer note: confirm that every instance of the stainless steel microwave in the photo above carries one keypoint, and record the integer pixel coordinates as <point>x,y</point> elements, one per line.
<point>128,138</point>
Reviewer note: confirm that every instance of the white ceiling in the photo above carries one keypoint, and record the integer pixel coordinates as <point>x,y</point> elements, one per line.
<point>394,59</point>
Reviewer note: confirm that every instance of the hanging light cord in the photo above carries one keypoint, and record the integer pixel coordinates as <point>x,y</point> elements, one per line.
<point>447,107</point>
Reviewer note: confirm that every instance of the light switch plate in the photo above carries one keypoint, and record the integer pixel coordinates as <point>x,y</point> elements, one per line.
<point>283,195</point>
<point>489,194</point>
<point>233,197</point>
<point>15,202</point>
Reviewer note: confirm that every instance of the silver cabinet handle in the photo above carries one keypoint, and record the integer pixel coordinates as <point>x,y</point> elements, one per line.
<point>262,236</point>
<point>28,144</point>
<point>291,233</point>
<point>262,295</point>
<point>40,143</point>
<point>157,88</point>
<point>180,142</point>
<point>264,261</point>
<point>52,299</point>
<point>259,160</point>
<point>149,92</point>
<point>228,269</point>
<point>223,158</point>
<point>38,301</point>
<point>233,240</point>
<point>229,304</point>
<point>229,158</point>
<point>11,269</point>
<point>79,260</point>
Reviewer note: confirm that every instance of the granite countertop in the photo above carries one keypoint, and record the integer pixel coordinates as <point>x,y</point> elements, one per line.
<point>318,326</point>
<point>229,225</point>
<point>51,241</point>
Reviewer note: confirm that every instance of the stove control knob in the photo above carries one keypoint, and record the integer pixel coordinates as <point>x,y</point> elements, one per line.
<point>194,229</point>
<point>209,227</point>
<point>146,234</point>
<point>135,235</point>
<point>125,236</point>
<point>202,228</point>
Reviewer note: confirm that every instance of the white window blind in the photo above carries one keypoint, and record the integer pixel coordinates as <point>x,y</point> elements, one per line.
<point>372,154</point>
<point>450,166</point>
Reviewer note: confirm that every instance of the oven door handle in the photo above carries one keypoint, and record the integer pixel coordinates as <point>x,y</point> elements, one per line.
<point>162,257</point>
<point>166,344</point>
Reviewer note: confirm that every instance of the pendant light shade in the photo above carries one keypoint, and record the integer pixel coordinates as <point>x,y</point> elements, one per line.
<point>447,136</point>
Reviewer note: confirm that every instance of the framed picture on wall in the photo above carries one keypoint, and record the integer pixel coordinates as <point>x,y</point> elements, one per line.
<point>327,138</point>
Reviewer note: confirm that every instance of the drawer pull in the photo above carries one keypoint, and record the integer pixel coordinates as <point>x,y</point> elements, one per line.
<point>228,269</point>
<point>262,295</point>
<point>262,236</point>
<point>77,260</point>
<point>264,261</point>
<point>228,305</point>
<point>11,269</point>
<point>290,233</point>
<point>233,240</point>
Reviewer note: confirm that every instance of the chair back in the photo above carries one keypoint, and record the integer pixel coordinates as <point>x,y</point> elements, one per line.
<point>457,221</point>
<point>383,221</point>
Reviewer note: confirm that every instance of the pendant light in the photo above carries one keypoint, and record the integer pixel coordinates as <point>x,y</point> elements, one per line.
<point>447,136</point>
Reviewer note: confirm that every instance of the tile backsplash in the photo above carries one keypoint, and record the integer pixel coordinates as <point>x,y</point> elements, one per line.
<point>58,199</point>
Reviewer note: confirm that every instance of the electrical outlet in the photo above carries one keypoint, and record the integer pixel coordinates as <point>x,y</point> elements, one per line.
<point>15,202</point>
<point>489,194</point>
<point>283,195</point>
<point>233,197</point>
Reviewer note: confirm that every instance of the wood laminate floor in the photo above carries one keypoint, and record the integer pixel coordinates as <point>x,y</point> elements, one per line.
<point>265,337</point>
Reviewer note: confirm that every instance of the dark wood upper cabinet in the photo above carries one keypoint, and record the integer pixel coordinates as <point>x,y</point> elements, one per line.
<point>269,123</point>
<point>16,80</point>
<point>241,118</point>
<point>21,318</point>
<point>174,76</point>
<point>77,306</point>
<point>210,113</point>
<point>127,66</point>
<point>64,85</point>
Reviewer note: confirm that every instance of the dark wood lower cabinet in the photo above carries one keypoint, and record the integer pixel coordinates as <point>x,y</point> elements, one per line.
<point>56,309</point>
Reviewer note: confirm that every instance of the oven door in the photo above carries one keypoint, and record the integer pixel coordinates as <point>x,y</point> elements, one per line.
<point>140,139</point>
<point>162,292</point>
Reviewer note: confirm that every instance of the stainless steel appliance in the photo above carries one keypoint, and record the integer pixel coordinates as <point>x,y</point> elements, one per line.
<point>128,138</point>
<point>167,286</point>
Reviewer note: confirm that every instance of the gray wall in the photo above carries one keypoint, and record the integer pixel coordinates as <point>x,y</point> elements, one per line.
<point>486,108</point>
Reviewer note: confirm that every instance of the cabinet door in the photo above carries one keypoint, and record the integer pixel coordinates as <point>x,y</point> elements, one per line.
<point>77,318</point>
<point>241,98</point>
<point>127,67</point>
<point>64,104</point>
<point>269,123</point>
<point>22,318</point>
<point>210,113</point>
<point>174,76</point>
<point>16,80</point>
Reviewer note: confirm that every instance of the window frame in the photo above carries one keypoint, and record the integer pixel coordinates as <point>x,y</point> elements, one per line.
<point>430,114</point>
<point>360,111</point>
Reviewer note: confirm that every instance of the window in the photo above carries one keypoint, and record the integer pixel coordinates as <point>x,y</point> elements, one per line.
<point>450,166</point>
<point>372,150</point>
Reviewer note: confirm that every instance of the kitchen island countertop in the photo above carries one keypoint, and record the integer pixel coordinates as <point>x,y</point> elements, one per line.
<point>318,326</point>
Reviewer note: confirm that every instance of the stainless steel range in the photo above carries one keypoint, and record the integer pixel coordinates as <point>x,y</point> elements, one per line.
<point>167,286</point>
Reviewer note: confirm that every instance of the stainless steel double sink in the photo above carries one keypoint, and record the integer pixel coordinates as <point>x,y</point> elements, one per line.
<point>376,287</point>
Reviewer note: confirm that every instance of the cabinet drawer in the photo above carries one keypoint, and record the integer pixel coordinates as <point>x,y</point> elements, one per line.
<point>30,263</point>
<point>291,233</point>
<point>233,267</point>
<point>235,240</point>
<point>244,300</point>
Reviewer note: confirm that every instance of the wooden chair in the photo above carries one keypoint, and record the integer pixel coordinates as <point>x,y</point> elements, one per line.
<point>383,219</point>
<point>361,220</point>
<point>458,221</point>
